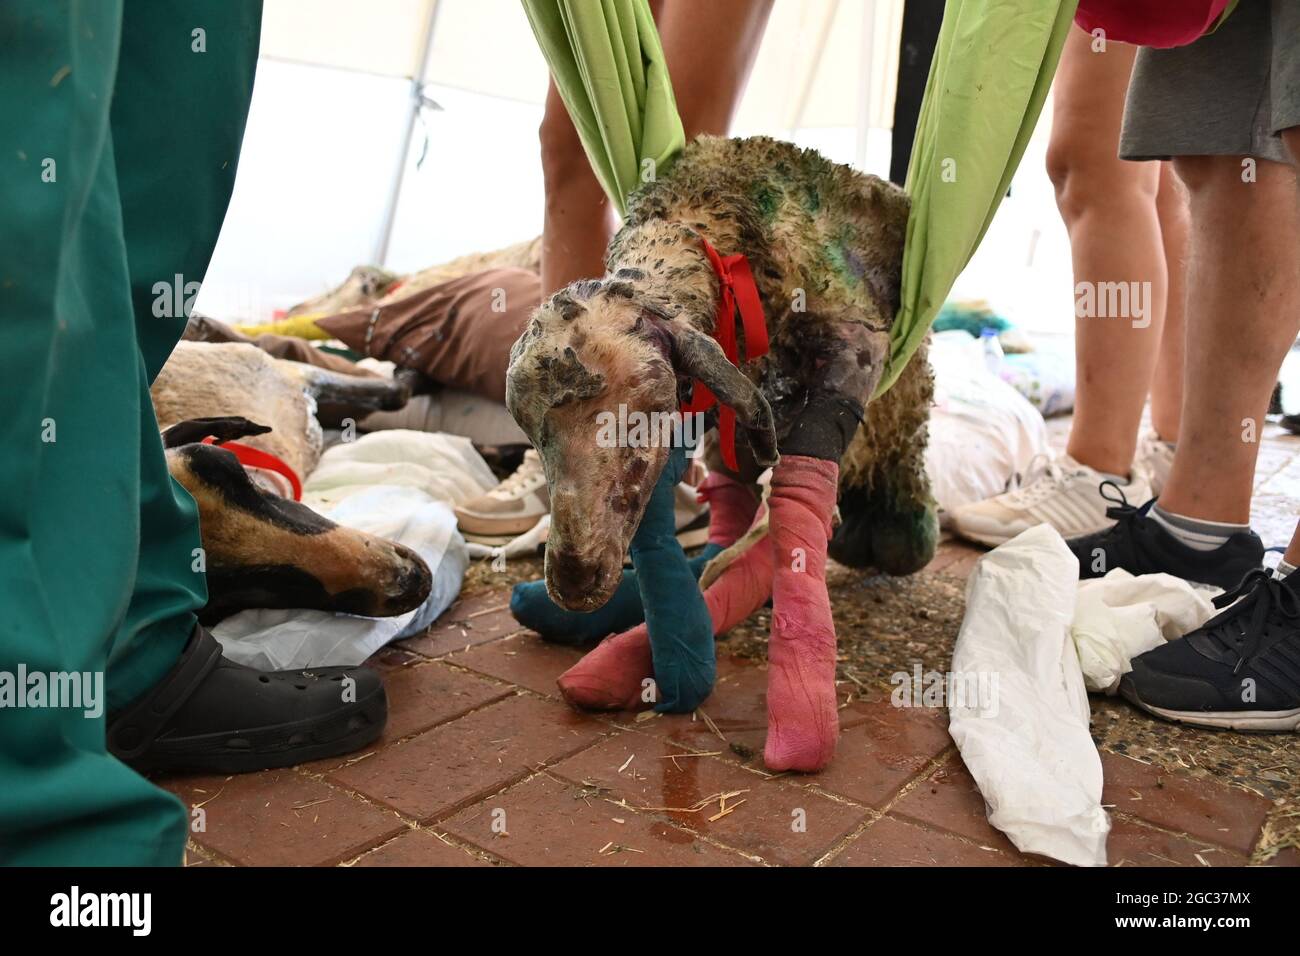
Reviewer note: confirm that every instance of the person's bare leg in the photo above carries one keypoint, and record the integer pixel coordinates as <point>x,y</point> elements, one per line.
<point>1292,139</point>
<point>1243,313</point>
<point>1167,381</point>
<point>710,49</point>
<point>576,227</point>
<point>1109,208</point>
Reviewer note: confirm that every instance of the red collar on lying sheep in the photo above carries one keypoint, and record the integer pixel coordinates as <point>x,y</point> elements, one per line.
<point>251,457</point>
<point>736,288</point>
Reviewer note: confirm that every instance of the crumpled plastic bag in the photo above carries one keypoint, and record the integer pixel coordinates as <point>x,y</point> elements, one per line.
<point>294,638</point>
<point>1031,754</point>
<point>1121,616</point>
<point>396,484</point>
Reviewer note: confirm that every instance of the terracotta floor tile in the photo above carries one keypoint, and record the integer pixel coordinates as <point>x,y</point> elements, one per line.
<point>948,799</point>
<point>892,842</point>
<point>443,639</point>
<point>551,823</point>
<point>281,818</point>
<point>778,821</point>
<point>424,695</point>
<point>419,848</point>
<point>1207,811</point>
<point>525,660</point>
<point>883,751</point>
<point>440,770</point>
<point>1132,844</point>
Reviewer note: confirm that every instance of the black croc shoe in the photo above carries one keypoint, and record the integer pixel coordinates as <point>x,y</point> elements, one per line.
<point>211,714</point>
<point>1239,671</point>
<point>1139,544</point>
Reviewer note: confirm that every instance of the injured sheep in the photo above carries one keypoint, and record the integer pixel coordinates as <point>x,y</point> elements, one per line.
<point>825,246</point>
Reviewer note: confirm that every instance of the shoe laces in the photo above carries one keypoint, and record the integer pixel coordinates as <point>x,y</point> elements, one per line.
<point>1120,536</point>
<point>1259,594</point>
<point>1043,476</point>
<point>526,475</point>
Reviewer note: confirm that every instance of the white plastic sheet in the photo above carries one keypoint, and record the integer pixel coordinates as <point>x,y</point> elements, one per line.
<point>399,485</point>
<point>1121,616</point>
<point>1031,755</point>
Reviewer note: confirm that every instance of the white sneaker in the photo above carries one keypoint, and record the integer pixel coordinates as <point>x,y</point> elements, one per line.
<point>1154,458</point>
<point>512,507</point>
<point>1061,493</point>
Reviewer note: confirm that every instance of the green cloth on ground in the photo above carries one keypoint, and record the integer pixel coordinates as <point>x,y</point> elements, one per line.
<point>118,147</point>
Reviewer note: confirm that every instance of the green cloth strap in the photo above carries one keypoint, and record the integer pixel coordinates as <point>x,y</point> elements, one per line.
<point>991,71</point>
<point>992,67</point>
<point>609,67</point>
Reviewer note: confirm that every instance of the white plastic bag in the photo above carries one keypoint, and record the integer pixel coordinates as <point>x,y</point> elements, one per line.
<point>1031,755</point>
<point>1121,616</point>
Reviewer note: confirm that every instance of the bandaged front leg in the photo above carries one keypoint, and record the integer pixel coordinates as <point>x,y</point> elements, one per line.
<point>802,718</point>
<point>681,634</point>
<point>731,509</point>
<point>618,674</point>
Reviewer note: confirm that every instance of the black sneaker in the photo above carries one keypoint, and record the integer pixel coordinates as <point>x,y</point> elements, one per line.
<point>1140,545</point>
<point>1239,671</point>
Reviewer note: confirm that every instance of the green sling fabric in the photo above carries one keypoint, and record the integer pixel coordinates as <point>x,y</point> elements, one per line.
<point>118,144</point>
<point>608,65</point>
<point>991,71</point>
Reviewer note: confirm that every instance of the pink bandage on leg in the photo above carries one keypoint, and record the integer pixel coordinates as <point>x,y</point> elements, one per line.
<point>612,676</point>
<point>731,508</point>
<point>802,717</point>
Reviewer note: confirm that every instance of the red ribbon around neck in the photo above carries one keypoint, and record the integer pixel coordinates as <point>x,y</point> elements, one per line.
<point>252,457</point>
<point>736,289</point>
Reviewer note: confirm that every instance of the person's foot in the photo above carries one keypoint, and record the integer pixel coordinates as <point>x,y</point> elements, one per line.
<point>209,714</point>
<point>1154,458</point>
<point>1138,544</point>
<point>1239,671</point>
<point>512,507</point>
<point>1062,493</point>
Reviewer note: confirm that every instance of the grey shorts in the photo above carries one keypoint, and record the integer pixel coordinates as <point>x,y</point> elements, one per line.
<point>1228,94</point>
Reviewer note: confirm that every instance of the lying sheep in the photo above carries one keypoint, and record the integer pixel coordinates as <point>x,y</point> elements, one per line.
<point>825,246</point>
<point>261,548</point>
<point>202,379</point>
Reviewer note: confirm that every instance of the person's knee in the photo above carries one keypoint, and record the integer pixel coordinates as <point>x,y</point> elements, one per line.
<point>1085,178</point>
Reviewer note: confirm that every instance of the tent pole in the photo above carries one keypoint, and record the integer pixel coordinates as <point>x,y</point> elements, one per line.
<point>417,103</point>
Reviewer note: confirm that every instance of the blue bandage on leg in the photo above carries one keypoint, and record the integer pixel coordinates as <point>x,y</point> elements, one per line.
<point>533,608</point>
<point>681,631</point>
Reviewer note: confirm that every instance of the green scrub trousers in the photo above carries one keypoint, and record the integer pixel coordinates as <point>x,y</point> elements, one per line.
<point>120,127</point>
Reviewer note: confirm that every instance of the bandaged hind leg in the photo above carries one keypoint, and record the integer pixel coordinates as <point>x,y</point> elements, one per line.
<point>731,509</point>
<point>802,719</point>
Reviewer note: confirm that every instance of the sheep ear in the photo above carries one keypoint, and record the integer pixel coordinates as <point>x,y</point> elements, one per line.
<point>699,356</point>
<point>224,429</point>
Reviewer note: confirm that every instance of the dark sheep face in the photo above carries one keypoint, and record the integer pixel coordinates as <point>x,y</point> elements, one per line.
<point>265,551</point>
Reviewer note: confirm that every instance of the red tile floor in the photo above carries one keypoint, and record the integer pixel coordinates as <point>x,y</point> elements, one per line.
<point>482,764</point>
